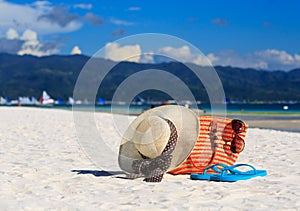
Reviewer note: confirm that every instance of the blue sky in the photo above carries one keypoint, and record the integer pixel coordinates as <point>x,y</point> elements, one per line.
<point>259,33</point>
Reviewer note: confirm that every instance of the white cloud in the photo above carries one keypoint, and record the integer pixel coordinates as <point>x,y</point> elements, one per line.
<point>184,54</point>
<point>121,22</point>
<point>83,6</point>
<point>297,58</point>
<point>269,59</point>
<point>12,34</point>
<point>23,23</point>
<point>134,9</point>
<point>116,52</point>
<point>26,42</point>
<point>147,57</point>
<point>212,58</point>
<point>27,16</point>
<point>33,46</point>
<point>76,50</point>
<point>276,56</point>
<point>42,5</point>
<point>134,53</point>
<point>29,35</point>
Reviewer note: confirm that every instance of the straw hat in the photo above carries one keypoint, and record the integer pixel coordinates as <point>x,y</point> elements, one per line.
<point>151,134</point>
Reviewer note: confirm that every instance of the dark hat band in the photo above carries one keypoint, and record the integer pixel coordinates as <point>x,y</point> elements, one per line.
<point>153,169</point>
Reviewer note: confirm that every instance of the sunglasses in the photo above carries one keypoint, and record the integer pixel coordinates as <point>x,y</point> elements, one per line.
<point>237,144</point>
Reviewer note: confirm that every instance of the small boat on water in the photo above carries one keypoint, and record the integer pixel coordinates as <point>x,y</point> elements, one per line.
<point>45,99</point>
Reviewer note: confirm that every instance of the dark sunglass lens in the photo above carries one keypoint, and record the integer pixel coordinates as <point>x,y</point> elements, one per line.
<point>237,144</point>
<point>233,149</point>
<point>237,126</point>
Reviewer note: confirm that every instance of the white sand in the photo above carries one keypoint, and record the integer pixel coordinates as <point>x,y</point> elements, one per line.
<point>42,167</point>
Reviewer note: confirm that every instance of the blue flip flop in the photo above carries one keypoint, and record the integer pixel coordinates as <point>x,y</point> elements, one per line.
<point>231,174</point>
<point>217,168</point>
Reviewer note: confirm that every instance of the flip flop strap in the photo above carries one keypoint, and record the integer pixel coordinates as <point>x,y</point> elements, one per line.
<point>215,168</point>
<point>233,170</point>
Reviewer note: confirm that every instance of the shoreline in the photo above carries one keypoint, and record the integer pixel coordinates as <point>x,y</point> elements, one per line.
<point>289,122</point>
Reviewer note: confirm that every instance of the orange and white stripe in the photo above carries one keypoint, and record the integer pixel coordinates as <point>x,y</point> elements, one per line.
<point>208,152</point>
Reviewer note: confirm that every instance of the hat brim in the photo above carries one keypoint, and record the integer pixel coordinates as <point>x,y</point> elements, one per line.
<point>187,126</point>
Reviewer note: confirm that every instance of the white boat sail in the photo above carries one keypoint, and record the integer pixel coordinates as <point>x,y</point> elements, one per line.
<point>71,101</point>
<point>45,99</point>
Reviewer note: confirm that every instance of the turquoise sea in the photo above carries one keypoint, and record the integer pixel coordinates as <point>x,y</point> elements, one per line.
<point>280,109</point>
<point>240,111</point>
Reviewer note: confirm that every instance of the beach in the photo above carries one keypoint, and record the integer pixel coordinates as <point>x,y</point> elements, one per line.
<point>44,167</point>
<point>289,122</point>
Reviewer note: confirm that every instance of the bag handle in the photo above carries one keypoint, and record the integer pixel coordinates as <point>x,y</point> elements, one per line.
<point>213,129</point>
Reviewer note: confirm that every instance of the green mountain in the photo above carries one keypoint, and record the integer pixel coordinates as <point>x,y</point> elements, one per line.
<point>29,75</point>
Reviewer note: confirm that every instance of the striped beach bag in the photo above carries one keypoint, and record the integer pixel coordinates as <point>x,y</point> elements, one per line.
<point>220,140</point>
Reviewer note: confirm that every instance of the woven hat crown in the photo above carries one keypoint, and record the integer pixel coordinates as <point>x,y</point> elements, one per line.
<point>152,136</point>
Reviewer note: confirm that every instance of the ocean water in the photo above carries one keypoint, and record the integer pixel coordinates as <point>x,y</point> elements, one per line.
<point>252,109</point>
<point>259,108</point>
<point>246,112</point>
<point>280,109</point>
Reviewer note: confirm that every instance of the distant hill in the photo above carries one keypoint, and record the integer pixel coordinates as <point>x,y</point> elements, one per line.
<point>29,75</point>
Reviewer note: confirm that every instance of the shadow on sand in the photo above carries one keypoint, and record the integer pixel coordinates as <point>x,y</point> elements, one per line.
<point>97,173</point>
